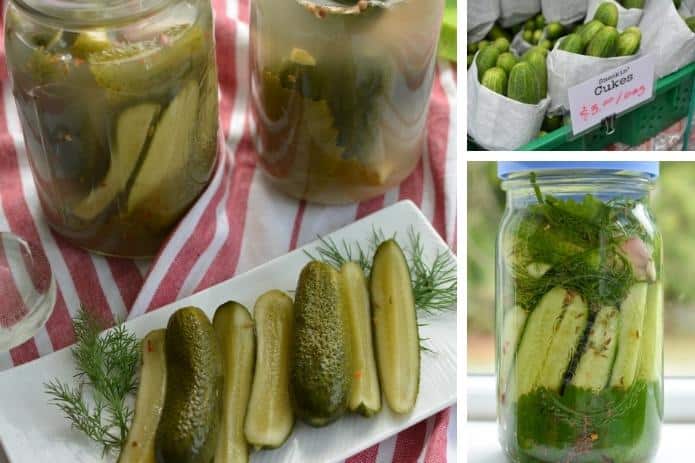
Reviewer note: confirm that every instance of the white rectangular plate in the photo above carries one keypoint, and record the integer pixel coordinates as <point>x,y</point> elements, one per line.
<point>33,431</point>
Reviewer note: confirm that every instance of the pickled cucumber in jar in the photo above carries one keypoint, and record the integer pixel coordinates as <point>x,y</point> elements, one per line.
<point>119,114</point>
<point>579,321</point>
<point>340,93</point>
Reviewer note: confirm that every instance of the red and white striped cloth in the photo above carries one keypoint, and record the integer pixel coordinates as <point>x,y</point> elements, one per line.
<point>239,222</point>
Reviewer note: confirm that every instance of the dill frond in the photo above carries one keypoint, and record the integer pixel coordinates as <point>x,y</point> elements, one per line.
<point>434,283</point>
<point>106,375</point>
<point>579,241</point>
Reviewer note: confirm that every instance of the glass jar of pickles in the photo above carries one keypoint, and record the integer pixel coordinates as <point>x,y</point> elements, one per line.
<point>340,92</point>
<point>118,104</point>
<point>579,313</point>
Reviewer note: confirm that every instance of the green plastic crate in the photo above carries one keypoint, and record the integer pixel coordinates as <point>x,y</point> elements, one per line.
<point>672,102</point>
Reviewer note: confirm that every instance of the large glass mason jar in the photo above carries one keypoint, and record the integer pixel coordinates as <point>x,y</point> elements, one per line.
<point>340,92</point>
<point>579,313</point>
<point>118,104</point>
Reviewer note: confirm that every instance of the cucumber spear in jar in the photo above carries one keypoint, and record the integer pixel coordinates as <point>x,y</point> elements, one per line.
<point>579,371</point>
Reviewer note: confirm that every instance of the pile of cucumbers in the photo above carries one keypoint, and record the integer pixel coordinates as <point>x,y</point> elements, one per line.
<point>522,79</point>
<point>537,32</point>
<point>498,37</point>
<point>211,391</point>
<point>600,37</point>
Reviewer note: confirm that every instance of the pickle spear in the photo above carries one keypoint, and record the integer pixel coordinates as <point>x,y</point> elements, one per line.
<point>234,329</point>
<point>630,336</point>
<point>168,151</point>
<point>365,394</point>
<point>139,447</point>
<point>395,327</point>
<point>269,417</point>
<point>132,129</point>
<point>148,65</point>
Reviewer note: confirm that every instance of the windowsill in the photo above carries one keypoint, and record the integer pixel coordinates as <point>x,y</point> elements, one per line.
<point>676,441</point>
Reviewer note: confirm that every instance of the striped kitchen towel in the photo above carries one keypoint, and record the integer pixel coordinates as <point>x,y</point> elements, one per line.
<point>239,222</point>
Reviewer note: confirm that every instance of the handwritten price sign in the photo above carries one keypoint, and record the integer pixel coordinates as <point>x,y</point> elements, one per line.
<point>611,93</point>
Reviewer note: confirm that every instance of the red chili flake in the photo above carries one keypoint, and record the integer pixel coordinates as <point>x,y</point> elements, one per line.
<point>135,444</point>
<point>358,374</point>
<point>149,346</point>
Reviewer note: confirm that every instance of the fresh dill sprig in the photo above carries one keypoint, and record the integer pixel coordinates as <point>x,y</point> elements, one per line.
<point>338,254</point>
<point>106,374</point>
<point>434,283</point>
<point>578,243</point>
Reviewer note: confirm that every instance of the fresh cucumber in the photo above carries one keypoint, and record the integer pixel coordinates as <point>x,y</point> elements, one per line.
<point>564,343</point>
<point>189,424</point>
<point>234,330</point>
<point>395,327</point>
<point>512,329</point>
<point>365,393</point>
<point>535,343</point>
<point>133,126</point>
<point>594,367</point>
<point>651,355</point>
<point>631,325</point>
<point>320,378</point>
<point>139,446</point>
<point>269,416</point>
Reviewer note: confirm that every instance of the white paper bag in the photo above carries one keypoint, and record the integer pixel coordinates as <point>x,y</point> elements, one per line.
<point>567,69</point>
<point>666,36</point>
<point>482,15</point>
<point>498,123</point>
<point>516,11</point>
<point>626,17</point>
<point>564,11</point>
<point>519,45</point>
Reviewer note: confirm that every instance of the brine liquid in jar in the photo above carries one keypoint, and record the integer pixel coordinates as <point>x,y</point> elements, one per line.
<point>118,106</point>
<point>340,92</point>
<point>579,313</point>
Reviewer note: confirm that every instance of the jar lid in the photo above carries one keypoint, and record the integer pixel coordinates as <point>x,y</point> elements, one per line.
<point>505,169</point>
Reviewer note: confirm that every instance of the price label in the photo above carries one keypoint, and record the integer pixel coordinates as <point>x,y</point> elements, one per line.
<point>611,93</point>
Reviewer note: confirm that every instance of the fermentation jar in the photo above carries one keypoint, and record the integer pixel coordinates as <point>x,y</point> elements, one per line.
<point>340,92</point>
<point>118,104</point>
<point>579,313</point>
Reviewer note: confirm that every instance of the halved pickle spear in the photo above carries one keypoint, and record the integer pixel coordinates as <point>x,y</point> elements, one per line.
<point>651,358</point>
<point>512,330</point>
<point>631,324</point>
<point>149,65</point>
<point>395,327</point>
<point>365,394</point>
<point>170,146</point>
<point>89,42</point>
<point>132,129</point>
<point>269,417</point>
<point>564,343</point>
<point>234,329</point>
<point>594,368</point>
<point>535,343</point>
<point>139,446</point>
